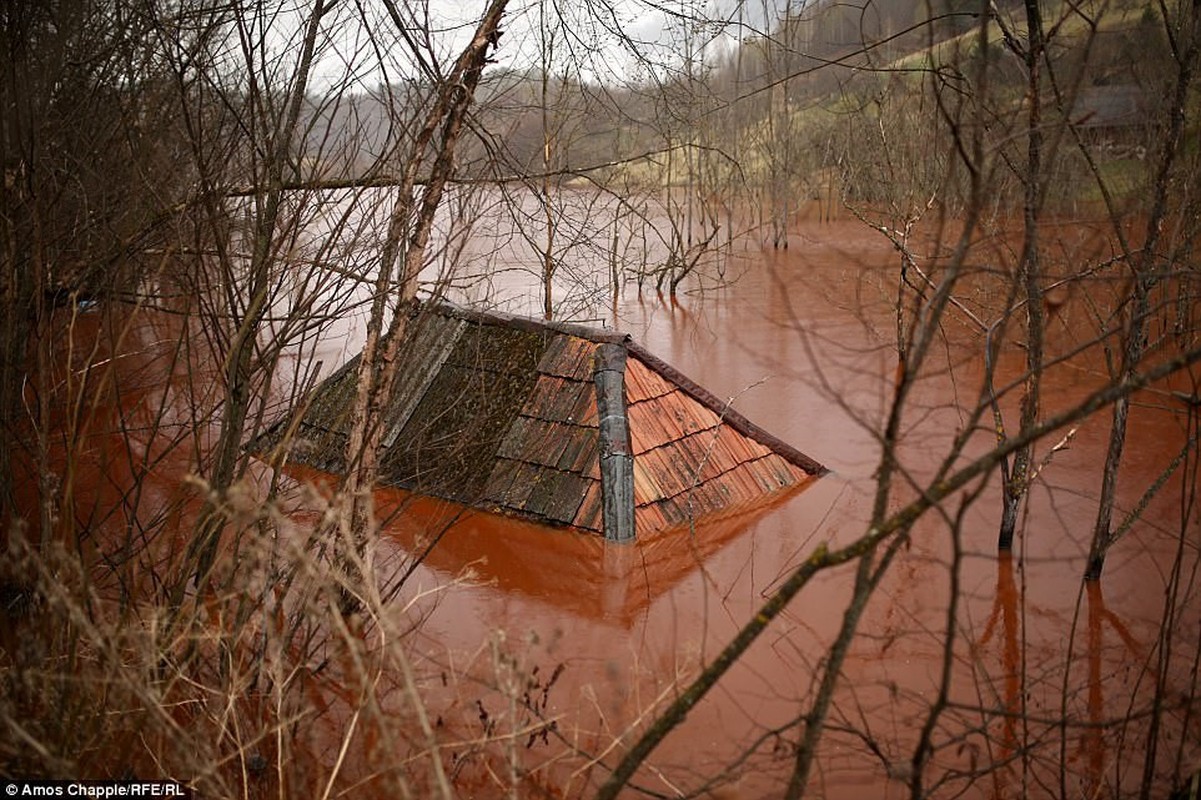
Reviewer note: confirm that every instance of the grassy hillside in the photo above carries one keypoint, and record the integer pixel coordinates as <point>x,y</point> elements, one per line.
<point>870,97</point>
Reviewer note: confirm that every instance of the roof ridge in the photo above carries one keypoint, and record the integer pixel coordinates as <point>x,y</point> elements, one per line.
<point>531,324</point>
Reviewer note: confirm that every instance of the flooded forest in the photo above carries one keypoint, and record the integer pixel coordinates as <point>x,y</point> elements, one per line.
<point>936,258</point>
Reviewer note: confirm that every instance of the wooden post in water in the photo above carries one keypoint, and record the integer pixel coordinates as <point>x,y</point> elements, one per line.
<point>616,452</point>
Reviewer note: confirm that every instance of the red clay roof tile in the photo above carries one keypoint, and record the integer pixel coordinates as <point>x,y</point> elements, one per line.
<point>649,517</point>
<point>496,491</point>
<point>545,442</point>
<point>647,486</point>
<point>580,452</point>
<point>565,497</point>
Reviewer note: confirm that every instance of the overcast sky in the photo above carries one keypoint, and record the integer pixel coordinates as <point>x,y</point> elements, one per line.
<point>611,40</point>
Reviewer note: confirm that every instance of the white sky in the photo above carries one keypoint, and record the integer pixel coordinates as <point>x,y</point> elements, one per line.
<point>610,40</point>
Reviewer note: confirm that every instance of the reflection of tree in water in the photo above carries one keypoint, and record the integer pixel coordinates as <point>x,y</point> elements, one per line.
<point>1092,744</point>
<point>1093,740</point>
<point>1005,608</point>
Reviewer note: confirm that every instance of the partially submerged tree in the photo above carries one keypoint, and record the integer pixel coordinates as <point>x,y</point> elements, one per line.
<point>87,145</point>
<point>995,143</point>
<point>430,158</point>
<point>251,217</point>
<point>1165,251</point>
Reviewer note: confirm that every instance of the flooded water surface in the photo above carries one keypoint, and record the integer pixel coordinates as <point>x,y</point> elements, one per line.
<point>560,648</point>
<point>800,343</point>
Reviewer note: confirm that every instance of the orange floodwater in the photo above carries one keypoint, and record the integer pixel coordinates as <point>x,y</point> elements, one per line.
<point>802,341</point>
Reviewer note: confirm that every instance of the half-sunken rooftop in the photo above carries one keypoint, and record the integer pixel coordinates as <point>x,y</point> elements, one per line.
<point>558,423</point>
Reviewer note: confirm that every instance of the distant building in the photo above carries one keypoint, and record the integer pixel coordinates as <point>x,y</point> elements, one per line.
<point>558,423</point>
<point>1114,115</point>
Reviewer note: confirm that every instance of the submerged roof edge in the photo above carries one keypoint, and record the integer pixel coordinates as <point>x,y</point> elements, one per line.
<point>725,411</point>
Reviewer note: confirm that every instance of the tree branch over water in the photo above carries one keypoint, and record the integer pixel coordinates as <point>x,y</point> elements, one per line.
<point>823,558</point>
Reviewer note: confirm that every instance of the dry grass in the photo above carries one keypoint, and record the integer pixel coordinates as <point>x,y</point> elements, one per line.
<point>258,686</point>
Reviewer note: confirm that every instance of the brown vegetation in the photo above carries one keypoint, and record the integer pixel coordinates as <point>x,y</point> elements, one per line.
<point>200,199</point>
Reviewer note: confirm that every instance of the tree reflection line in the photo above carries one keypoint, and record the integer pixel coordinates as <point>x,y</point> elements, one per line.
<point>1006,605</point>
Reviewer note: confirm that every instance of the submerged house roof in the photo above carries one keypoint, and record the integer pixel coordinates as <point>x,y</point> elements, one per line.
<point>560,423</point>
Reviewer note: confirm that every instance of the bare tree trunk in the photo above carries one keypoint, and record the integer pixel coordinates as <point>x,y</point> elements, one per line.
<point>229,459</point>
<point>404,251</point>
<point>779,166</point>
<point>1014,488</point>
<point>548,255</point>
<point>1145,278</point>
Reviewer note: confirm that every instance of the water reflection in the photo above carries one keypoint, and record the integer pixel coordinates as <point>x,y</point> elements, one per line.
<point>1093,740</point>
<point>633,620</point>
<point>570,570</point>
<point>1014,744</point>
<point>1005,611</point>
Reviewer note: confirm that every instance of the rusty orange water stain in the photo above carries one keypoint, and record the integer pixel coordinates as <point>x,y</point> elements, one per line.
<point>802,344</point>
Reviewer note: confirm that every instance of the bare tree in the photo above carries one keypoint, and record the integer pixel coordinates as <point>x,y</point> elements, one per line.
<point>87,184</point>
<point>1149,266</point>
<point>971,115</point>
<point>402,257</point>
<point>211,194</point>
<point>279,114</point>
